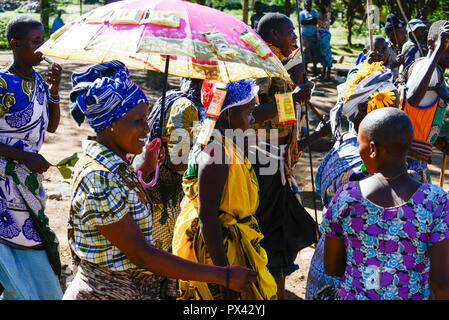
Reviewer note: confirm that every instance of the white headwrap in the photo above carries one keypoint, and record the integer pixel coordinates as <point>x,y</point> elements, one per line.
<point>378,80</point>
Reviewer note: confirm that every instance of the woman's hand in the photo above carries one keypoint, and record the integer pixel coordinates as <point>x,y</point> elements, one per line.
<point>151,157</point>
<point>303,92</point>
<point>442,42</point>
<point>53,78</point>
<point>442,144</point>
<point>241,278</point>
<point>35,162</point>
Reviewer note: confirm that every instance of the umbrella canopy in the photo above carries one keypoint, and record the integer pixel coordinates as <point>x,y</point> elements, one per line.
<point>202,42</point>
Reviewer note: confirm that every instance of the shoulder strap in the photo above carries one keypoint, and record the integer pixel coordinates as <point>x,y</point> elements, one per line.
<point>83,163</point>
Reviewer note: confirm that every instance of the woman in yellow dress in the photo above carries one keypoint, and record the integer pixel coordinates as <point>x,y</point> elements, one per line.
<point>216,224</point>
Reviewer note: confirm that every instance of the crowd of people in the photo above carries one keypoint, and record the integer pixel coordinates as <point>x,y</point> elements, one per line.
<point>217,225</point>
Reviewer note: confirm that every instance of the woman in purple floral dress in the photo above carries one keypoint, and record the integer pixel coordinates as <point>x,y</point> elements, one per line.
<point>387,235</point>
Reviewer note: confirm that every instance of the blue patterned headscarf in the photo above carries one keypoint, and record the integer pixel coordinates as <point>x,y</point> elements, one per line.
<point>239,93</point>
<point>103,93</point>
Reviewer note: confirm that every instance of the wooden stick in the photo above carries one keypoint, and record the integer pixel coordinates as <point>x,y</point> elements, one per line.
<point>443,169</point>
<point>413,33</point>
<point>315,111</point>
<point>370,21</point>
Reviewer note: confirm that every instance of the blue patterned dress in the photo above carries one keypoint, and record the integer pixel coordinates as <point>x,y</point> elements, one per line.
<point>23,122</point>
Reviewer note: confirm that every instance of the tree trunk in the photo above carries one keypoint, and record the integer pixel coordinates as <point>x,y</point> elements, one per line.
<point>349,25</point>
<point>287,8</point>
<point>245,11</point>
<point>45,12</point>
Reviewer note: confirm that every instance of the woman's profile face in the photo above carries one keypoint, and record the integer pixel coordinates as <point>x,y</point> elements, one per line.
<point>241,117</point>
<point>129,133</point>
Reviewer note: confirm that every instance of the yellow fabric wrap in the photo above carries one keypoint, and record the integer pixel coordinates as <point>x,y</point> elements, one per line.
<point>241,234</point>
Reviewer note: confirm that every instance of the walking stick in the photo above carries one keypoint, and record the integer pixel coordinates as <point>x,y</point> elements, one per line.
<point>161,128</point>
<point>307,125</point>
<point>370,24</point>
<point>413,33</point>
<point>443,169</point>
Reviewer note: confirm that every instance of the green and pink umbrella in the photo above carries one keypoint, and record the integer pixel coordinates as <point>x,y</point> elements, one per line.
<point>202,42</point>
<point>171,36</point>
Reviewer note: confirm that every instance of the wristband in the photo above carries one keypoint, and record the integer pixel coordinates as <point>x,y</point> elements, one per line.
<point>52,99</point>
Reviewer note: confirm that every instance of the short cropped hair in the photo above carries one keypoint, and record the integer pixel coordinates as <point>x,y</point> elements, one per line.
<point>269,22</point>
<point>375,38</point>
<point>389,127</point>
<point>18,27</point>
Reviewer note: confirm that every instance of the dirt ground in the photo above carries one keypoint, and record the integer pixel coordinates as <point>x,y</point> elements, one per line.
<point>67,140</point>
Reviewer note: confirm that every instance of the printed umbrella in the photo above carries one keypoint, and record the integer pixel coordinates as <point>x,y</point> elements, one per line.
<point>182,38</point>
<point>202,42</point>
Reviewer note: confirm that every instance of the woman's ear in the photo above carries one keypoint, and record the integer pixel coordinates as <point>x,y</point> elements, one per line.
<point>274,35</point>
<point>430,44</point>
<point>14,43</point>
<point>373,150</point>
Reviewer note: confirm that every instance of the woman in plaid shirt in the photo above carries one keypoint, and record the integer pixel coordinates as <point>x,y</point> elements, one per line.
<point>110,223</point>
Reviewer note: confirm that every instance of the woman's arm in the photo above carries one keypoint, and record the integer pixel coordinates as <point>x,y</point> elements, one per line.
<point>439,269</point>
<point>128,238</point>
<point>35,162</point>
<point>334,256</point>
<point>53,78</point>
<point>211,181</point>
<point>417,92</point>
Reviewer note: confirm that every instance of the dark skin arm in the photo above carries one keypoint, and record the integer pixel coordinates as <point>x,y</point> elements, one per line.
<point>334,256</point>
<point>416,93</point>
<point>265,111</point>
<point>314,137</point>
<point>311,21</point>
<point>35,162</point>
<point>212,174</point>
<point>53,78</point>
<point>127,236</point>
<point>439,269</point>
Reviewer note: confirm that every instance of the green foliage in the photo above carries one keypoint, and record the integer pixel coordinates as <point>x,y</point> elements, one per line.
<point>3,41</point>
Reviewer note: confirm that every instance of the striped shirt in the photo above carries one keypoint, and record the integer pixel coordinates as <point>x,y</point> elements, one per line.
<point>102,198</point>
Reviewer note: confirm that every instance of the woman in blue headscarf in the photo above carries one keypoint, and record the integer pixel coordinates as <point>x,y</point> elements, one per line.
<point>110,221</point>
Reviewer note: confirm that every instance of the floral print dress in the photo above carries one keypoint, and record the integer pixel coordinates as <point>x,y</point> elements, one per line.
<point>23,122</point>
<point>387,248</point>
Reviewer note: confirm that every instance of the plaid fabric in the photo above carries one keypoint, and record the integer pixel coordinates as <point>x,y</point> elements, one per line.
<point>102,198</point>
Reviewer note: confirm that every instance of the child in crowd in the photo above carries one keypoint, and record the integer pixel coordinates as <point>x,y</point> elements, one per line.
<point>29,256</point>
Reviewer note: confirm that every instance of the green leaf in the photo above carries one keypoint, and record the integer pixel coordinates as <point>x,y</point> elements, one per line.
<point>69,161</point>
<point>65,172</point>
